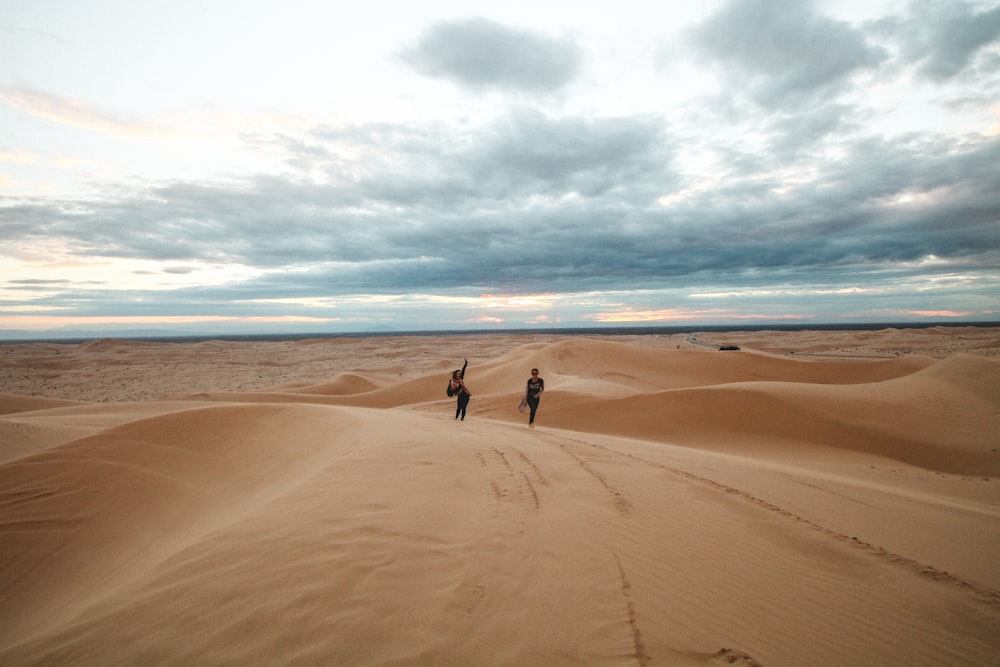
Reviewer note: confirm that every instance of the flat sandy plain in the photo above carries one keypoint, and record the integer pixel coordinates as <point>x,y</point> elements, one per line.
<point>817,498</point>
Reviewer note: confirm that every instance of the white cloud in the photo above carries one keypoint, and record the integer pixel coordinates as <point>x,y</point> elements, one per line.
<point>81,113</point>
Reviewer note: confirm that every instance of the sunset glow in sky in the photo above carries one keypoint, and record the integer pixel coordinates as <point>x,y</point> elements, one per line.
<point>245,167</point>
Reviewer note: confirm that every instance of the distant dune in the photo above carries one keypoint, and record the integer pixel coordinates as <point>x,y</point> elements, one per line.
<point>809,500</point>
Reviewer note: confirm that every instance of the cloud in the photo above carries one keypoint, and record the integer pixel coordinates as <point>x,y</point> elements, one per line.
<point>789,188</point>
<point>942,37</point>
<point>586,156</point>
<point>782,52</point>
<point>548,217</point>
<point>480,53</point>
<point>80,113</point>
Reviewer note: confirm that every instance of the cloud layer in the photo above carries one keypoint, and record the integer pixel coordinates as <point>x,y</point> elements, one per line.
<point>780,192</point>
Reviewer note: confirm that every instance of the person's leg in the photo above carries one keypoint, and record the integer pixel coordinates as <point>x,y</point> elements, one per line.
<point>463,403</point>
<point>533,404</point>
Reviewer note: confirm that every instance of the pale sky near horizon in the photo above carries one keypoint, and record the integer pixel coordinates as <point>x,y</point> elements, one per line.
<point>255,166</point>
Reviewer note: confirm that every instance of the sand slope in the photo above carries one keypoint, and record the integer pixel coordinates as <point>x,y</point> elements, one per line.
<point>674,507</point>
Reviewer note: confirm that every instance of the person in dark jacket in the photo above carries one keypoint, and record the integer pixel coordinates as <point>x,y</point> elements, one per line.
<point>456,387</point>
<point>532,390</point>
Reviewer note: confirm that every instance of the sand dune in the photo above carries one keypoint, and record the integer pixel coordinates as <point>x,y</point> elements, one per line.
<point>344,383</point>
<point>939,418</point>
<point>675,506</point>
<point>11,403</point>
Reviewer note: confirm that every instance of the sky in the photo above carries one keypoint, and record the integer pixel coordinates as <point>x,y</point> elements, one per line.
<point>308,165</point>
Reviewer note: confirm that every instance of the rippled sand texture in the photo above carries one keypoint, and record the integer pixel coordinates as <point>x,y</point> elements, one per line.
<point>818,498</point>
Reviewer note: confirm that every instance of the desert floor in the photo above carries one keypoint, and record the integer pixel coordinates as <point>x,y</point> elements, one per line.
<point>817,498</point>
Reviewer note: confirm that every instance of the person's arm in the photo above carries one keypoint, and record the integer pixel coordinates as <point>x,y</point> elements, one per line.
<point>464,366</point>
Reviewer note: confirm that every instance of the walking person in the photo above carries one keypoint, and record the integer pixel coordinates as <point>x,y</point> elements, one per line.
<point>532,389</point>
<point>456,387</point>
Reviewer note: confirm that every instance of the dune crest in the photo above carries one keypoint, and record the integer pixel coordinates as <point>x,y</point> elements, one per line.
<point>104,508</point>
<point>343,384</point>
<point>675,506</point>
<point>12,403</point>
<point>942,417</point>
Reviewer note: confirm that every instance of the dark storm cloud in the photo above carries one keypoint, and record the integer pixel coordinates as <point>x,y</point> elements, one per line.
<point>587,156</point>
<point>523,154</point>
<point>480,53</point>
<point>782,52</point>
<point>943,37</point>
<point>882,200</point>
<point>535,229</point>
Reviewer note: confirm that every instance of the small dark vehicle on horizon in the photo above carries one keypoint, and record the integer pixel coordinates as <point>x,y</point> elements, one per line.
<point>727,348</point>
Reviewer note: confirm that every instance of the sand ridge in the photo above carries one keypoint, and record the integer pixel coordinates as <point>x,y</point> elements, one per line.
<point>675,506</point>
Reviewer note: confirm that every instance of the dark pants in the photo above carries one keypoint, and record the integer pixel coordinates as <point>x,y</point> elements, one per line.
<point>533,404</point>
<point>463,402</point>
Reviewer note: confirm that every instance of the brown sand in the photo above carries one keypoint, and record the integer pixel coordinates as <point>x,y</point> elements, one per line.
<point>819,498</point>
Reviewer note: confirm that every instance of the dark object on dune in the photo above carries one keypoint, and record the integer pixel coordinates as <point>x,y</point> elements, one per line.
<point>726,348</point>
